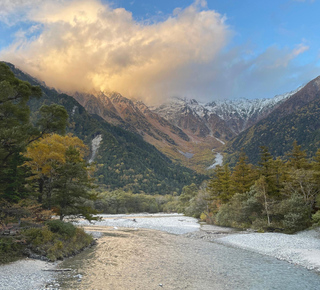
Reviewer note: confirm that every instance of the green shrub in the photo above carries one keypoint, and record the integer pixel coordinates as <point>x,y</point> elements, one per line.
<point>316,218</point>
<point>294,222</point>
<point>239,212</point>
<point>58,244</point>
<point>296,214</point>
<point>9,250</point>
<point>260,224</point>
<point>62,228</point>
<point>39,236</point>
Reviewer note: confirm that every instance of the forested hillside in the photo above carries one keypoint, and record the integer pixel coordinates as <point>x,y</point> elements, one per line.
<point>295,119</point>
<point>123,159</point>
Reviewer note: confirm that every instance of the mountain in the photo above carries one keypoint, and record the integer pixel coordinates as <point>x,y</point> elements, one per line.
<point>183,147</point>
<point>222,119</point>
<point>123,159</point>
<point>186,131</point>
<point>297,118</point>
<point>134,116</point>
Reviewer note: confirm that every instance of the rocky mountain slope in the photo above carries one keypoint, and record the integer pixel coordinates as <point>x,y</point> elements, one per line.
<point>183,147</point>
<point>189,132</point>
<point>222,119</point>
<point>297,118</point>
<point>185,130</point>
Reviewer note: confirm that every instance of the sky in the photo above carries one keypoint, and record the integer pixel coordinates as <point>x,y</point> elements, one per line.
<point>152,50</point>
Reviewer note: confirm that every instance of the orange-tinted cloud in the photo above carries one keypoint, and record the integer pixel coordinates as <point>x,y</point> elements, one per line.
<point>86,45</point>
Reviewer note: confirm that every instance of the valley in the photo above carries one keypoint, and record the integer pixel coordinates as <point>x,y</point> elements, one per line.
<point>159,144</point>
<point>187,131</point>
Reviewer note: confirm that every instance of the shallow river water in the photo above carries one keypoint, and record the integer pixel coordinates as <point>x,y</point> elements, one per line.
<point>132,258</point>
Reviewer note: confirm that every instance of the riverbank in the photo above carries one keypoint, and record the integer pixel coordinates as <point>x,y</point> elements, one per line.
<point>128,258</point>
<point>28,274</point>
<point>179,254</point>
<point>301,249</point>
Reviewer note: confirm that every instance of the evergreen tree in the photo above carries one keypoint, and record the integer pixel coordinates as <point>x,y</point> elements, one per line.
<point>16,130</point>
<point>71,188</point>
<point>220,185</point>
<point>298,157</point>
<point>52,160</point>
<point>243,176</point>
<point>268,169</point>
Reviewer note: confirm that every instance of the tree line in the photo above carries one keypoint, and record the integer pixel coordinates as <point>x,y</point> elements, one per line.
<point>277,194</point>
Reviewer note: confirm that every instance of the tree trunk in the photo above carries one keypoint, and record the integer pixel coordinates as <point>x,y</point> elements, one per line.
<point>266,206</point>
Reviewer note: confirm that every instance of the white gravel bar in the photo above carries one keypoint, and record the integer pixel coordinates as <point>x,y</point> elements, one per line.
<point>301,249</point>
<point>170,223</point>
<point>27,274</point>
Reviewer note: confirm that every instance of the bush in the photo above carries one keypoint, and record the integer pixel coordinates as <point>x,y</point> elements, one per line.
<point>62,228</point>
<point>9,250</point>
<point>294,222</point>
<point>58,244</point>
<point>316,218</point>
<point>260,224</point>
<point>39,236</point>
<point>239,212</point>
<point>296,214</point>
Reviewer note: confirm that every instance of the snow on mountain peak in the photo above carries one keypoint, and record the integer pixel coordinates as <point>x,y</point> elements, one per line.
<point>243,110</point>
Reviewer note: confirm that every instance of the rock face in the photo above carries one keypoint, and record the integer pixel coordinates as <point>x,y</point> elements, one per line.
<point>95,144</point>
<point>134,116</point>
<point>181,118</point>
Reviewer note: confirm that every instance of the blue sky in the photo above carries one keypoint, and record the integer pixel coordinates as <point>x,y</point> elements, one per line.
<point>156,49</point>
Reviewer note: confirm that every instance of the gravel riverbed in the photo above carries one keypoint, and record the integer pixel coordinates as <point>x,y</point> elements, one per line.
<point>223,245</point>
<point>27,274</point>
<point>301,249</point>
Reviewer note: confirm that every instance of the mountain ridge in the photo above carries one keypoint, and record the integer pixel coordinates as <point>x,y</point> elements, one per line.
<point>178,126</point>
<point>296,119</point>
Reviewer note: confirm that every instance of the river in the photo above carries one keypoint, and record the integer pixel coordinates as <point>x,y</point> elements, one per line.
<point>138,258</point>
<point>217,161</point>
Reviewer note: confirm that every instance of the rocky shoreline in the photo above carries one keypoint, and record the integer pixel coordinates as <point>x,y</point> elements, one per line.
<point>27,274</point>
<point>301,249</point>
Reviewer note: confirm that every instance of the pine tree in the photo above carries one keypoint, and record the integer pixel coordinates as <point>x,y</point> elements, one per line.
<point>243,176</point>
<point>219,186</point>
<point>298,157</point>
<point>72,187</point>
<point>268,169</point>
<point>46,157</point>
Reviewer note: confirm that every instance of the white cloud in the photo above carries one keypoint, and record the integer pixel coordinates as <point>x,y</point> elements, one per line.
<point>85,45</point>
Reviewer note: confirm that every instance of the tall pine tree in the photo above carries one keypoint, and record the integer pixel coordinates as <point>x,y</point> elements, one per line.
<point>244,175</point>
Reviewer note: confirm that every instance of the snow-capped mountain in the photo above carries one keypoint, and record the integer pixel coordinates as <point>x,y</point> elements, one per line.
<point>236,115</point>
<point>181,128</point>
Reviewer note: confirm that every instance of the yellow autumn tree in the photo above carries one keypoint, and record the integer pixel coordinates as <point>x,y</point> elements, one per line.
<point>46,156</point>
